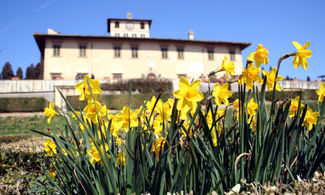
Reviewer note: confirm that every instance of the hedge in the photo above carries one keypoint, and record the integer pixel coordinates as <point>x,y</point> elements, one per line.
<point>117,101</point>
<point>30,104</point>
<point>285,95</point>
<point>141,85</point>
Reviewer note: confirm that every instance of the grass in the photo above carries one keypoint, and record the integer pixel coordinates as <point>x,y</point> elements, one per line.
<point>24,125</point>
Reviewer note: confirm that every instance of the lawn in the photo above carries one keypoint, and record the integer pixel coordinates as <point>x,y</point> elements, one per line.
<point>24,125</point>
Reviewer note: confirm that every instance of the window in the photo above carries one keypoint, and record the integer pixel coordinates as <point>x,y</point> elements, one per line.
<point>117,34</point>
<point>134,35</point>
<point>164,51</point>
<point>117,51</point>
<point>181,75</point>
<point>56,76</point>
<point>56,50</point>
<point>125,34</point>
<point>117,76</point>
<point>180,53</point>
<point>232,56</point>
<point>142,25</point>
<point>82,50</point>
<point>134,50</point>
<point>117,24</point>
<point>210,54</point>
<point>80,76</point>
<point>142,36</point>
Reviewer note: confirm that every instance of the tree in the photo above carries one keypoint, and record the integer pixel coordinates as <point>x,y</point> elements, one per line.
<point>39,71</point>
<point>30,72</point>
<point>7,72</point>
<point>19,73</point>
<point>308,78</point>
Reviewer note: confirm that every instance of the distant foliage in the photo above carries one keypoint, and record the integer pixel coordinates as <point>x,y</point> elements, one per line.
<point>39,68</point>
<point>35,72</point>
<point>19,73</point>
<point>30,72</point>
<point>7,72</point>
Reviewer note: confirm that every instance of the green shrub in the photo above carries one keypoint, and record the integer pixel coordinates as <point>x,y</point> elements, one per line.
<point>33,104</point>
<point>286,95</point>
<point>117,101</point>
<point>141,85</point>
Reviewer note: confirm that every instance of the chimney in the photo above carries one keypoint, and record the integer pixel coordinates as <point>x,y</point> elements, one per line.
<point>129,15</point>
<point>190,35</point>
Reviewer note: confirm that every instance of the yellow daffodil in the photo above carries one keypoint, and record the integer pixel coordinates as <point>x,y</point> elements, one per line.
<point>188,94</point>
<point>321,92</point>
<point>271,79</point>
<point>221,94</point>
<point>158,145</point>
<point>214,138</point>
<point>84,89</point>
<point>52,174</point>
<point>251,75</point>
<point>236,104</point>
<point>310,119</point>
<point>126,118</point>
<point>91,113</point>
<point>251,108</point>
<point>253,123</point>
<point>301,55</point>
<point>120,159</point>
<point>294,107</point>
<point>259,56</point>
<point>50,147</point>
<point>229,67</point>
<point>165,111</point>
<point>236,107</point>
<point>50,112</point>
<point>94,154</point>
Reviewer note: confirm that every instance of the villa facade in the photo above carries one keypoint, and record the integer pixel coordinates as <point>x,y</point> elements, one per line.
<point>129,52</point>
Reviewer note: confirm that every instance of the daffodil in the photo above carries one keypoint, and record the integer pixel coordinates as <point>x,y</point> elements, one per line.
<point>236,107</point>
<point>251,75</point>
<point>126,119</point>
<point>84,89</point>
<point>294,107</point>
<point>95,155</point>
<point>50,112</point>
<point>229,67</point>
<point>50,147</point>
<point>271,79</point>
<point>236,104</point>
<point>93,111</point>
<point>253,123</point>
<point>301,55</point>
<point>251,108</point>
<point>259,56</point>
<point>310,119</point>
<point>52,174</point>
<point>221,94</point>
<point>158,145</point>
<point>188,94</point>
<point>321,92</point>
<point>120,158</point>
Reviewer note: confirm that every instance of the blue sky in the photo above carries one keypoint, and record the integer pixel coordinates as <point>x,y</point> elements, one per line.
<point>275,24</point>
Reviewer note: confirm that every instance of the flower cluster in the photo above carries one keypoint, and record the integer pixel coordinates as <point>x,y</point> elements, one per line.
<point>103,135</point>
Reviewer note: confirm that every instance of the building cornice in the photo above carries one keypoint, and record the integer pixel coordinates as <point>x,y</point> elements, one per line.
<point>41,37</point>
